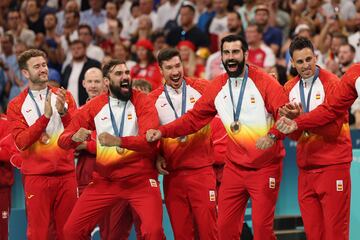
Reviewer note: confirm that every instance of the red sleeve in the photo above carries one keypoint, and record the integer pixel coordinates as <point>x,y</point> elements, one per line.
<point>337,105</point>
<point>273,94</point>
<point>147,118</point>
<point>200,115</point>
<point>81,119</point>
<point>7,148</point>
<point>71,109</point>
<point>23,134</point>
<point>91,144</point>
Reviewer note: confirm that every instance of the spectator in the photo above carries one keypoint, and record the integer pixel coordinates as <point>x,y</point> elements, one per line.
<point>234,23</point>
<point>108,28</point>
<point>206,16</point>
<point>272,35</point>
<point>169,11</point>
<point>95,15</point>
<point>122,53</point>
<point>346,57</point>
<point>188,57</point>
<point>247,12</point>
<point>187,29</point>
<point>218,24</point>
<point>146,67</point>
<point>146,8</point>
<point>70,6</point>
<point>144,29</point>
<point>17,29</point>
<point>159,40</point>
<point>74,72</point>
<point>92,51</point>
<point>132,21</point>
<point>72,20</point>
<point>34,20</point>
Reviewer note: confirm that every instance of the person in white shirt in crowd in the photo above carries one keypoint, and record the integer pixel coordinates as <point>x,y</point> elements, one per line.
<point>16,27</point>
<point>146,8</point>
<point>168,11</point>
<point>70,6</point>
<point>105,29</point>
<point>92,51</point>
<point>95,15</point>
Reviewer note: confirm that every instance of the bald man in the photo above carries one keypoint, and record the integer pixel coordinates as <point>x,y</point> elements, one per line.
<point>119,221</point>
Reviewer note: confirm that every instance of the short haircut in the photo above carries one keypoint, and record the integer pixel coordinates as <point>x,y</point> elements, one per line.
<point>143,85</point>
<point>25,56</point>
<point>189,5</point>
<point>352,49</point>
<point>167,54</point>
<point>238,16</point>
<point>259,28</point>
<point>108,67</point>
<point>10,37</point>
<point>340,36</point>
<point>234,38</point>
<point>52,14</point>
<point>300,43</point>
<point>77,41</point>
<point>86,26</point>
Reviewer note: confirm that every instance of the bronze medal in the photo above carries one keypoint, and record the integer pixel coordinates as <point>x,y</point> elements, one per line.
<point>235,127</point>
<point>306,134</point>
<point>45,138</point>
<point>120,150</point>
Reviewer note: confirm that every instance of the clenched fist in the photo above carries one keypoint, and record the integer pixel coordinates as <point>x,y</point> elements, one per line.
<point>108,140</point>
<point>81,135</point>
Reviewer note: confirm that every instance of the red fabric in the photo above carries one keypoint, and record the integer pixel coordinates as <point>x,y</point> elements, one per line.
<point>55,160</point>
<point>204,110</point>
<point>150,73</point>
<point>326,145</point>
<point>325,202</point>
<point>197,151</point>
<point>219,139</point>
<point>186,43</point>
<point>190,196</point>
<point>7,148</point>
<point>238,185</point>
<point>5,202</point>
<point>145,43</point>
<point>337,105</point>
<point>48,198</point>
<point>256,57</point>
<point>101,195</point>
<point>144,153</point>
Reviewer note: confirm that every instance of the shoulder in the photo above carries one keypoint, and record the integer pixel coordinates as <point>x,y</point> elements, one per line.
<point>198,84</point>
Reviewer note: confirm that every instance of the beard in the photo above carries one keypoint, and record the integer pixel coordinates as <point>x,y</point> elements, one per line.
<point>122,92</point>
<point>239,67</point>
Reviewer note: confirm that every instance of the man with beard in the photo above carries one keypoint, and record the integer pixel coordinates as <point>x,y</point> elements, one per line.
<point>38,116</point>
<point>246,99</point>
<point>323,154</point>
<point>124,170</point>
<point>189,181</point>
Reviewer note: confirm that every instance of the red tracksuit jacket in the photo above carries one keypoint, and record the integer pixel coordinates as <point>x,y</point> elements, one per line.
<point>337,105</point>
<point>262,97</point>
<point>140,115</point>
<point>27,128</point>
<point>6,170</point>
<point>326,145</point>
<point>197,151</point>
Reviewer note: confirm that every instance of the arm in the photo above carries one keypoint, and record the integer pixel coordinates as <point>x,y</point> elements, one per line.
<point>66,118</point>
<point>24,135</point>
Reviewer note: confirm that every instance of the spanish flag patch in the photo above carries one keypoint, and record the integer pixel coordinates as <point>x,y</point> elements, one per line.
<point>129,116</point>
<point>317,96</point>
<point>192,100</point>
<point>252,99</point>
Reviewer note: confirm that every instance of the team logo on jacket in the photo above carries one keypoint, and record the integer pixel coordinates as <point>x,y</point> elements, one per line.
<point>252,99</point>
<point>339,185</point>
<point>212,195</point>
<point>104,118</point>
<point>272,183</point>
<point>29,110</point>
<point>153,182</point>
<point>129,116</point>
<point>5,214</point>
<point>192,100</point>
<point>317,96</point>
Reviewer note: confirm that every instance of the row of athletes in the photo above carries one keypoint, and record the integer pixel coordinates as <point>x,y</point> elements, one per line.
<point>121,128</point>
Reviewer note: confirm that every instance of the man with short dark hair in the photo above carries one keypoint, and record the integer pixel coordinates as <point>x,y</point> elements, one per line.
<point>186,162</point>
<point>246,99</point>
<point>38,116</point>
<point>124,169</point>
<point>324,153</point>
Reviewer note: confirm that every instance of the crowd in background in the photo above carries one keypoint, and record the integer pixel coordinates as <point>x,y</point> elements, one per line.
<point>81,34</point>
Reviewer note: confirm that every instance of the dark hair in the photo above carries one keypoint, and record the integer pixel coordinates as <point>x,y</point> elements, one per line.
<point>108,67</point>
<point>352,49</point>
<point>134,5</point>
<point>234,38</point>
<point>167,54</point>
<point>236,13</point>
<point>81,26</point>
<point>339,35</point>
<point>77,41</point>
<point>10,37</point>
<point>259,28</point>
<point>11,10</point>
<point>25,56</point>
<point>52,14</point>
<point>156,34</point>
<point>189,5</point>
<point>299,43</point>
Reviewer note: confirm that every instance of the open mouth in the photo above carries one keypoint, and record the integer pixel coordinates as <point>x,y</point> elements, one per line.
<point>125,85</point>
<point>232,66</point>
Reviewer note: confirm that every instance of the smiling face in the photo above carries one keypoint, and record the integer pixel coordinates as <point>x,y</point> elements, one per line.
<point>36,71</point>
<point>233,58</point>
<point>304,61</point>
<point>119,82</point>
<point>173,72</point>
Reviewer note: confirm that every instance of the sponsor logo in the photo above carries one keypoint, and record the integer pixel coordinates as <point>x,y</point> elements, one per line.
<point>29,110</point>
<point>4,214</point>
<point>30,196</point>
<point>103,118</point>
<point>163,105</point>
<point>272,183</point>
<point>153,182</point>
<point>339,185</point>
<point>212,196</point>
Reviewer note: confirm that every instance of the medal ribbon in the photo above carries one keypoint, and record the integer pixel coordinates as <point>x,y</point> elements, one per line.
<point>183,99</point>
<point>306,105</point>
<point>118,131</point>
<point>236,113</point>
<point>36,105</point>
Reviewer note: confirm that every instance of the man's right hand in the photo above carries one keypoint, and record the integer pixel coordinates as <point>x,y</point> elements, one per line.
<point>291,110</point>
<point>161,165</point>
<point>48,109</point>
<point>153,135</point>
<point>81,135</point>
<point>286,126</point>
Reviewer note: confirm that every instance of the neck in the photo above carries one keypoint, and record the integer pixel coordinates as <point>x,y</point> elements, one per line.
<point>51,33</point>
<point>37,86</point>
<point>188,27</point>
<point>255,45</point>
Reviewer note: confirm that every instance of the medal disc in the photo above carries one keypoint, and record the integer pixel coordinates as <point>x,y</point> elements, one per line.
<point>235,127</point>
<point>182,139</point>
<point>120,150</point>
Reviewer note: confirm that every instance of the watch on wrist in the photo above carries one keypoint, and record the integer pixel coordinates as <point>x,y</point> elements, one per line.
<point>64,112</point>
<point>272,136</point>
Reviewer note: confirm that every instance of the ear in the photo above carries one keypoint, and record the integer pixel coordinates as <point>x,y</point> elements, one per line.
<point>25,73</point>
<point>106,81</point>
<point>246,54</point>
<point>292,62</point>
<point>83,83</point>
